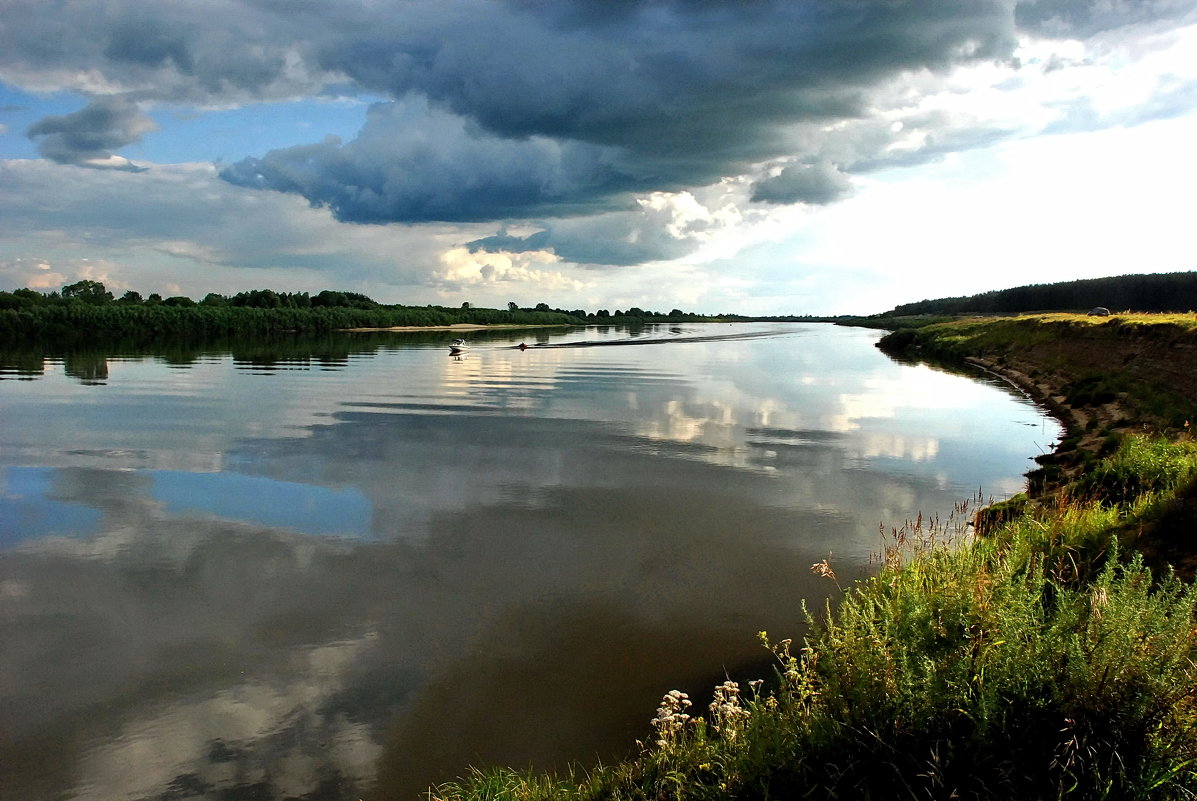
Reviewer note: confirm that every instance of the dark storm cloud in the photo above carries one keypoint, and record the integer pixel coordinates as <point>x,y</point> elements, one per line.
<point>521,108</point>
<point>621,239</point>
<point>504,241</point>
<point>91,134</point>
<point>1084,18</point>
<point>820,183</point>
<point>148,45</point>
<point>201,52</point>
<point>939,132</point>
<point>569,109</point>
<point>413,163</point>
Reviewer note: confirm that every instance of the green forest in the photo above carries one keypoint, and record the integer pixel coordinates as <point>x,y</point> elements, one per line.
<point>87,310</point>
<point>1160,292</point>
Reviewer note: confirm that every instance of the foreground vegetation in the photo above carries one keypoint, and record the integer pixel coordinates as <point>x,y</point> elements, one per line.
<point>1052,657</point>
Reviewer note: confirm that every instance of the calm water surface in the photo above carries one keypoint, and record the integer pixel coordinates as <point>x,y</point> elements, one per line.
<point>355,570</point>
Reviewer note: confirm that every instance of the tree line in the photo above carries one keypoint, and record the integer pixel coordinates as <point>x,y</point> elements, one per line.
<point>1158,292</point>
<point>87,310</point>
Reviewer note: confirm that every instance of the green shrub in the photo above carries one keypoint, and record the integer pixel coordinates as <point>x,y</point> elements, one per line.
<point>1140,465</point>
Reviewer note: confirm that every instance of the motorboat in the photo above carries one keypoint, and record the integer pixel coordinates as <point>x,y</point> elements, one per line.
<point>458,346</point>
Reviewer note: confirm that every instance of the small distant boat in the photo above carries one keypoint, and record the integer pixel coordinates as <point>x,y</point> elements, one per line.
<point>458,346</point>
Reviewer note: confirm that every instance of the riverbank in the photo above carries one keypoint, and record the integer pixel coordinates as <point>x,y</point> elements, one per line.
<point>1044,660</point>
<point>1081,424</point>
<point>1103,378</point>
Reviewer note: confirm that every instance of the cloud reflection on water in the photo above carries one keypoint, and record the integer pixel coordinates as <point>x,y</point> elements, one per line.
<point>502,560</point>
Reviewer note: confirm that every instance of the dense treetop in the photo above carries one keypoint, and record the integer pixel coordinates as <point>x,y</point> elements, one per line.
<point>1156,292</point>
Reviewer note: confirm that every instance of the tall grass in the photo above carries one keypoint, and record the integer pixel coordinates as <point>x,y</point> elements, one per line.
<point>1140,466</point>
<point>1039,662</point>
<point>991,673</point>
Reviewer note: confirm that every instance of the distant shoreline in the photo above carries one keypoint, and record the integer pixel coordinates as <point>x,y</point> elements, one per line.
<point>452,327</point>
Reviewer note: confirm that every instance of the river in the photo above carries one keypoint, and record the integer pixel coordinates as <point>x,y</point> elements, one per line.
<point>351,567</point>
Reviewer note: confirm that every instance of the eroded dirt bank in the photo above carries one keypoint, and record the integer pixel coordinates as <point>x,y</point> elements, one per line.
<point>1099,378</point>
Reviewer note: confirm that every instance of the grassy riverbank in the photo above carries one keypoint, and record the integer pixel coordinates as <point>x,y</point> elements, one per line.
<point>1051,658</point>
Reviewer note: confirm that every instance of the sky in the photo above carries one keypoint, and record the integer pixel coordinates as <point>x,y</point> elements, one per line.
<point>747,156</point>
